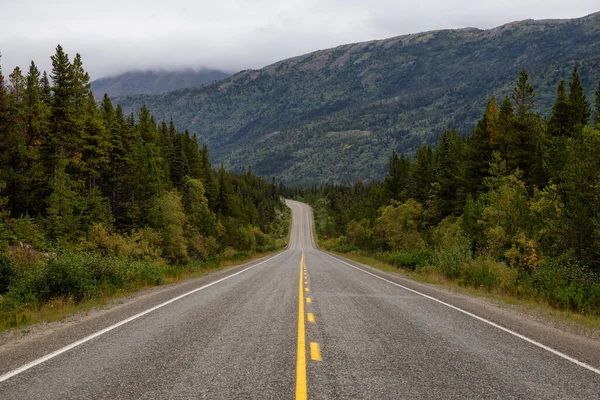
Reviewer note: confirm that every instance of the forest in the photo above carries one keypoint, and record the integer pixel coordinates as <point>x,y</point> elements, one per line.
<point>512,208</point>
<point>93,201</point>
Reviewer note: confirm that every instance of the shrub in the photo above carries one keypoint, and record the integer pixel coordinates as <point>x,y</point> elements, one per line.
<point>487,273</point>
<point>409,260</point>
<point>565,282</point>
<point>7,272</point>
<point>450,256</point>
<point>66,275</point>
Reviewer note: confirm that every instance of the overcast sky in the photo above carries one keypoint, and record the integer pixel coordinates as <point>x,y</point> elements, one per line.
<point>114,36</point>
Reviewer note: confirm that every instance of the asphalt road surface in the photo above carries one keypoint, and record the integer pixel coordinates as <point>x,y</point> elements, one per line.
<point>303,324</point>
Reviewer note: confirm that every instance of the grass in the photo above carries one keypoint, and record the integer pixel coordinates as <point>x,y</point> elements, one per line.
<point>529,306</point>
<point>60,308</point>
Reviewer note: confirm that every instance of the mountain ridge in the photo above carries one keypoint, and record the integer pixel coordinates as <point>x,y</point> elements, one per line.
<point>154,81</point>
<point>297,119</point>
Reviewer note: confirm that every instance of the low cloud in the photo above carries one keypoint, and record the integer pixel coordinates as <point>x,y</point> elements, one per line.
<point>231,35</point>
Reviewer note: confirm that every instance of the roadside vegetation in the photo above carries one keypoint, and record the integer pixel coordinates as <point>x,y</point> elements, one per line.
<point>94,203</point>
<point>512,209</point>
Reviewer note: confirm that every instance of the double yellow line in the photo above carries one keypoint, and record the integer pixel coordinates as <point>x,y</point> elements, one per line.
<point>315,354</point>
<point>301,391</point>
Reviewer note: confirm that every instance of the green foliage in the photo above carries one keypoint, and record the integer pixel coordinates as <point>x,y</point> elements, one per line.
<point>7,273</point>
<point>169,218</point>
<point>92,201</point>
<point>397,227</point>
<point>514,208</point>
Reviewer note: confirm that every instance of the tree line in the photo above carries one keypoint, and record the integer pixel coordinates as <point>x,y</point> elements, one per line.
<point>79,177</point>
<point>515,206</point>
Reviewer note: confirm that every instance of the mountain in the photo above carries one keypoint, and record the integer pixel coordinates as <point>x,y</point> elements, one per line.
<point>336,115</point>
<point>154,82</point>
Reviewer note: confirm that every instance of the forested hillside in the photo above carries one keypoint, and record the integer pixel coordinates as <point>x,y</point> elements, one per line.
<point>334,115</point>
<point>514,208</point>
<point>153,82</point>
<point>93,200</point>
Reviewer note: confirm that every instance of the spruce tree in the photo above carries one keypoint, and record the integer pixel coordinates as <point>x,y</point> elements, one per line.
<point>597,108</point>
<point>523,96</point>
<point>46,89</point>
<point>63,130</point>
<point>422,174</point>
<point>579,107</point>
<point>81,84</point>
<point>397,177</point>
<point>506,119</point>
<point>559,124</point>
<point>525,135</point>
<point>4,106</point>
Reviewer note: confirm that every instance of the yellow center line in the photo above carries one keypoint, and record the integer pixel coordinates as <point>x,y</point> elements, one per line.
<point>306,289</point>
<point>301,392</point>
<point>311,317</point>
<point>308,300</point>
<point>315,352</point>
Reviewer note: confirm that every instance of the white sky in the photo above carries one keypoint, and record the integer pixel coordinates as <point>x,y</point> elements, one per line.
<point>114,36</point>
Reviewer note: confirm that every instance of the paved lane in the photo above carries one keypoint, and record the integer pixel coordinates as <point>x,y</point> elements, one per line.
<point>304,324</point>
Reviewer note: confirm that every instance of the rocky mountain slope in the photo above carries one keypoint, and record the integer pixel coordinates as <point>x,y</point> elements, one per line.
<point>335,115</point>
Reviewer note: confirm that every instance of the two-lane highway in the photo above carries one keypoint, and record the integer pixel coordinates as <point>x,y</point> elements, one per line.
<point>303,324</point>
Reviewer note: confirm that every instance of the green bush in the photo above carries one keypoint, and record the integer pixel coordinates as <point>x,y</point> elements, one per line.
<point>66,275</point>
<point>7,272</point>
<point>449,258</point>
<point>409,260</point>
<point>566,283</point>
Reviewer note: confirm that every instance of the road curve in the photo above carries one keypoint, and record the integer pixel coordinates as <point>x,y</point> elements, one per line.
<point>304,324</point>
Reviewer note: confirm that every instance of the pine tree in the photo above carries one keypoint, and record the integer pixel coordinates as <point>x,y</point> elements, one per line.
<point>526,134</point>
<point>448,172</point>
<point>506,120</point>
<point>579,107</point>
<point>493,121</point>
<point>597,108</point>
<point>4,106</point>
<point>63,132</point>
<point>422,173</point>
<point>81,85</point>
<point>396,180</point>
<point>46,89</point>
<point>209,180</point>
<point>523,96</point>
<point>96,143</point>
<point>559,124</point>
<point>192,153</point>
<point>478,152</point>
<point>179,165</point>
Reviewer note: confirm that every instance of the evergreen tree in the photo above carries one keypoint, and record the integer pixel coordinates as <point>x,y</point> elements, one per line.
<point>479,150</point>
<point>4,106</point>
<point>526,134</point>
<point>396,180</point>
<point>523,96</point>
<point>448,173</point>
<point>559,124</point>
<point>179,165</point>
<point>46,89</point>
<point>597,108</point>
<point>580,110</point>
<point>421,176</point>
<point>62,136</point>
<point>209,180</point>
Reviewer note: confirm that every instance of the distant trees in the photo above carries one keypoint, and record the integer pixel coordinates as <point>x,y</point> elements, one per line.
<point>71,164</point>
<point>514,205</point>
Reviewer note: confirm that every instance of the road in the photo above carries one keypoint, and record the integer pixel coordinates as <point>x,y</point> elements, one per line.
<point>304,324</point>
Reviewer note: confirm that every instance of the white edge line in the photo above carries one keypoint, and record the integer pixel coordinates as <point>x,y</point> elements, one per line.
<point>49,356</point>
<point>525,338</point>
